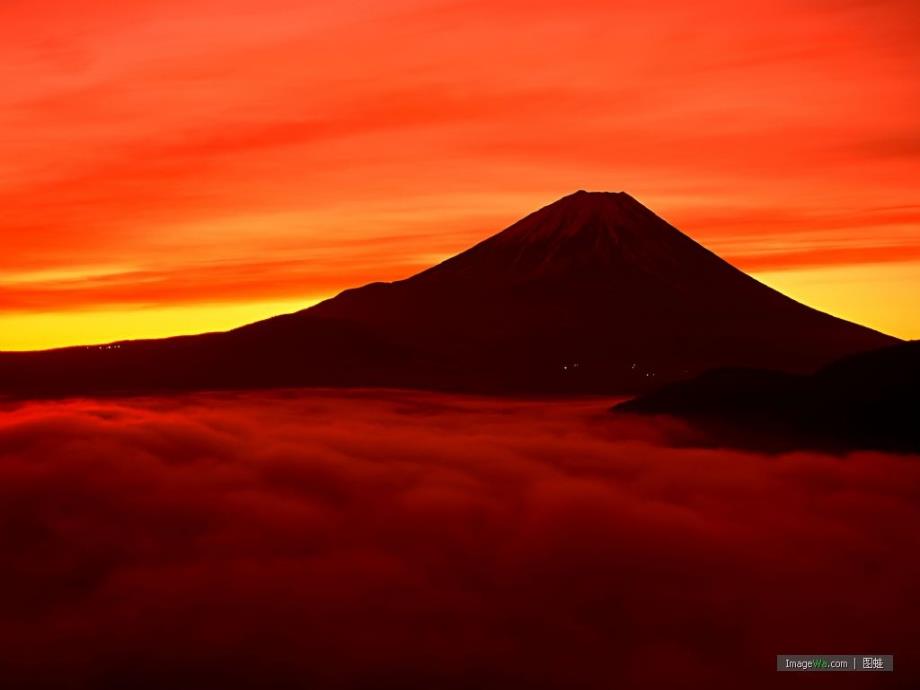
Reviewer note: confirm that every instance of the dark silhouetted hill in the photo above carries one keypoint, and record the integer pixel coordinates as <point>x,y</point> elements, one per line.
<point>866,401</point>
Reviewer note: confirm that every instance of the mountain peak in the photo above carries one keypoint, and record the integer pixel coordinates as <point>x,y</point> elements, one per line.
<point>584,211</point>
<point>583,197</point>
<point>582,232</point>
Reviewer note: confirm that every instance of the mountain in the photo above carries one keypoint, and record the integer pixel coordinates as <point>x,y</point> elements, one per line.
<point>593,293</point>
<point>868,400</point>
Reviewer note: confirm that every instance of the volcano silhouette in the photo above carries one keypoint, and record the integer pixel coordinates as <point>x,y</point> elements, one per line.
<point>593,293</point>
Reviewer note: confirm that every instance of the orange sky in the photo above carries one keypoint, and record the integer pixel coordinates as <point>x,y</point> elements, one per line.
<point>174,166</point>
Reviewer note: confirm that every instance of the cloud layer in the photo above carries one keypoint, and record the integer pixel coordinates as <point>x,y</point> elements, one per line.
<point>375,540</point>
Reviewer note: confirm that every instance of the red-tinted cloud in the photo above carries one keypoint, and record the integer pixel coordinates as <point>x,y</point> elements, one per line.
<point>368,540</point>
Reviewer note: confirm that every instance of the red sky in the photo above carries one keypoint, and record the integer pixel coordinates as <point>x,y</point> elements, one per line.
<point>173,166</point>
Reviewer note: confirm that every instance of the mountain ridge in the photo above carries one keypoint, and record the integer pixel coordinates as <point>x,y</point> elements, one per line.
<point>591,293</point>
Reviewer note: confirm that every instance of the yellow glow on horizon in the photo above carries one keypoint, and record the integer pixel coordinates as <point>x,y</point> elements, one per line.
<point>873,295</point>
<point>39,331</point>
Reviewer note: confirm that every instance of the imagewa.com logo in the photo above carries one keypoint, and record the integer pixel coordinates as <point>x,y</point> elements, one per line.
<point>818,664</point>
<point>835,662</point>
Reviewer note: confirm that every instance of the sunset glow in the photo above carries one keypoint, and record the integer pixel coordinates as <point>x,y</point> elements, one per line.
<point>178,166</point>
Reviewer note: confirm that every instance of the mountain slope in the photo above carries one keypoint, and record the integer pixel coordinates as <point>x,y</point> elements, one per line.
<point>598,280</point>
<point>591,293</point>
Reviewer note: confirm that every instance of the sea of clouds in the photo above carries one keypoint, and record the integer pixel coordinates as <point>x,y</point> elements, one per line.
<point>405,540</point>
